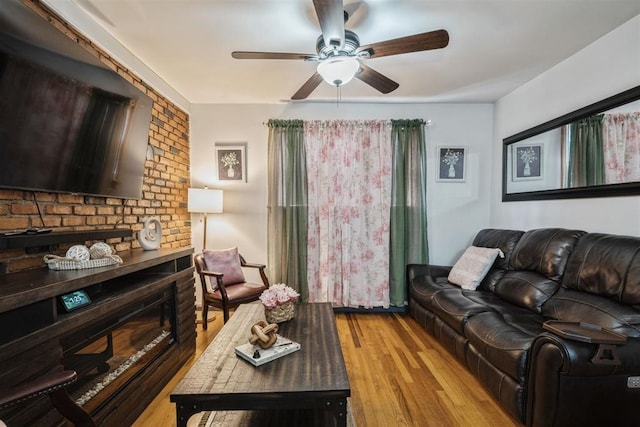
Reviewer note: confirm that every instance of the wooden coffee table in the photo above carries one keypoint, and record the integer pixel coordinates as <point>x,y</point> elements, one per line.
<point>309,383</point>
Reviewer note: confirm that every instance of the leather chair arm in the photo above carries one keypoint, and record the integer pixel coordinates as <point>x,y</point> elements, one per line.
<point>54,385</point>
<point>211,273</point>
<point>252,265</point>
<point>40,386</point>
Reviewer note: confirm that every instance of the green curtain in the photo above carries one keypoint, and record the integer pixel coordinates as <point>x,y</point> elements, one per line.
<point>408,228</point>
<point>586,153</point>
<point>287,205</point>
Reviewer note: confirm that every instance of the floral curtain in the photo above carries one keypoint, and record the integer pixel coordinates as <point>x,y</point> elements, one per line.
<point>408,229</point>
<point>287,205</point>
<point>349,188</point>
<point>622,147</point>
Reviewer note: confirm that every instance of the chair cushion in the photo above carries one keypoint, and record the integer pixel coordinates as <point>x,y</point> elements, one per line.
<point>238,293</point>
<point>472,266</point>
<point>227,262</point>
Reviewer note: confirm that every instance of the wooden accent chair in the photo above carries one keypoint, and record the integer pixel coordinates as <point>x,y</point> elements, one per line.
<point>54,385</point>
<point>226,293</point>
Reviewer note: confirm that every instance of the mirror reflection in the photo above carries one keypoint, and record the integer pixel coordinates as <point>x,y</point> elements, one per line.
<point>592,147</point>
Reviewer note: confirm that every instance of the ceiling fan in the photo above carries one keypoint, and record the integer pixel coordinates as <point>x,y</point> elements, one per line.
<point>339,53</point>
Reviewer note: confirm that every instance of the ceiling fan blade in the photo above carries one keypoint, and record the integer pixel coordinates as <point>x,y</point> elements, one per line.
<point>331,16</point>
<point>415,43</point>
<point>376,80</point>
<point>308,87</point>
<point>272,55</point>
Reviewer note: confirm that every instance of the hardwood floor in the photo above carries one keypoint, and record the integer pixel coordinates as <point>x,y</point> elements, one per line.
<point>399,376</point>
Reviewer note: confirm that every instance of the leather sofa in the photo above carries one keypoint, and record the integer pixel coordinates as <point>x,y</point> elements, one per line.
<point>544,377</point>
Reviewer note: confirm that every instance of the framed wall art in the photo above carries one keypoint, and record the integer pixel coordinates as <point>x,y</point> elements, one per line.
<point>231,161</point>
<point>527,162</point>
<point>451,164</point>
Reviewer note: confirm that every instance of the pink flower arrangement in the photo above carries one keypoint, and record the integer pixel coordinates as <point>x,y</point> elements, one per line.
<point>277,294</point>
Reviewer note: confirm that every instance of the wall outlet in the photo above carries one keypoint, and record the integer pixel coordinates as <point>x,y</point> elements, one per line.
<point>633,382</point>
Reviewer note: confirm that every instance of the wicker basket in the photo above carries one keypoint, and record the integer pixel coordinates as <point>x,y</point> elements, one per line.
<point>280,313</point>
<point>55,262</point>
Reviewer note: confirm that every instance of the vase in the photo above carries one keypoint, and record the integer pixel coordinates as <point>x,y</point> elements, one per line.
<point>280,313</point>
<point>527,169</point>
<point>231,172</point>
<point>452,171</point>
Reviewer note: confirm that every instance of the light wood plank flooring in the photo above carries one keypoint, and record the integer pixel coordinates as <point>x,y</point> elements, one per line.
<point>399,375</point>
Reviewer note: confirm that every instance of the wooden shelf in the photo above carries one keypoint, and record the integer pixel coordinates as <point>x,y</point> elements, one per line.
<point>55,237</point>
<point>35,331</point>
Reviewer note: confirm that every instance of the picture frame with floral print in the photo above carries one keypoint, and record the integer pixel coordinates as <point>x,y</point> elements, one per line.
<point>527,162</point>
<point>231,161</point>
<point>451,164</point>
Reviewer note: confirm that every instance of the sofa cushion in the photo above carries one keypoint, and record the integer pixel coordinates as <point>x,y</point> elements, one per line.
<point>525,289</point>
<point>537,264</point>
<point>455,308</point>
<point>606,265</point>
<point>577,306</point>
<point>423,288</point>
<point>473,266</point>
<point>545,251</point>
<point>505,240</point>
<point>504,338</point>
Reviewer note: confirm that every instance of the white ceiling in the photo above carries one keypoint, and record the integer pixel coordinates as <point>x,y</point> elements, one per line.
<point>495,45</point>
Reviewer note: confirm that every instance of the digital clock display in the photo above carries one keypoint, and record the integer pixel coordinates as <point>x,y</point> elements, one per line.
<point>75,300</point>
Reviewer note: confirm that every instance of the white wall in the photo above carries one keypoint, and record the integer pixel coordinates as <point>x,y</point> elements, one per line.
<point>456,210</point>
<point>604,68</point>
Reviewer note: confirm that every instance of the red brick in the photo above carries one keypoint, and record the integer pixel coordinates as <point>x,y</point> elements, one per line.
<point>84,210</point>
<point>70,198</point>
<point>14,223</point>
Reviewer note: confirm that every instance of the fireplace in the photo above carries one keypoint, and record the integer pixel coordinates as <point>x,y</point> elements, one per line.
<point>126,344</point>
<point>109,354</point>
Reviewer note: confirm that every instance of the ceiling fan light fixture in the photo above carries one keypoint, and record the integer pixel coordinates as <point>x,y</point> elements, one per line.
<point>338,70</point>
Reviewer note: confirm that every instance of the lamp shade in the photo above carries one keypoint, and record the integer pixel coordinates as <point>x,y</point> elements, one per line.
<point>338,70</point>
<point>204,200</point>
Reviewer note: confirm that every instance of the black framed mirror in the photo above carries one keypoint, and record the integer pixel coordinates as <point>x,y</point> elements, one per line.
<point>550,161</point>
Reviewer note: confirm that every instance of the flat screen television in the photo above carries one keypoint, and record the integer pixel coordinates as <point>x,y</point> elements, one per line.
<point>67,123</point>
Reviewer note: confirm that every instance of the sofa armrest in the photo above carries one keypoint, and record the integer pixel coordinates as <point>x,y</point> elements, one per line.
<point>415,270</point>
<point>577,356</point>
<point>566,388</point>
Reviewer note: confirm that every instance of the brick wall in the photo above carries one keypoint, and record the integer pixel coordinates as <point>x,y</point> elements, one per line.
<point>166,181</point>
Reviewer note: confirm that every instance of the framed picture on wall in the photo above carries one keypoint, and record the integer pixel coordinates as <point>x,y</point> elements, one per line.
<point>451,164</point>
<point>527,162</point>
<point>231,161</point>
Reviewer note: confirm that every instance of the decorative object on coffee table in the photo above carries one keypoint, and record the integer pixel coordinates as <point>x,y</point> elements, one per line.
<point>258,356</point>
<point>279,303</point>
<point>264,334</point>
